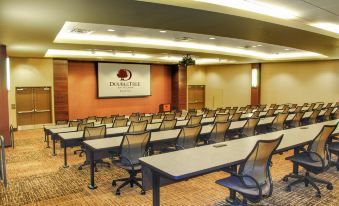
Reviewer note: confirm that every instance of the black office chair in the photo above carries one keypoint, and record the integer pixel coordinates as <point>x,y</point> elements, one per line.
<point>92,133</point>
<point>327,114</point>
<point>137,126</point>
<point>236,116</point>
<point>147,118</point>
<point>314,117</point>
<point>270,113</point>
<point>157,116</point>
<point>296,121</point>
<point>221,118</point>
<point>256,114</point>
<point>218,133</point>
<point>133,146</point>
<point>278,122</point>
<point>333,148</point>
<point>74,123</point>
<point>134,118</point>
<point>211,113</point>
<point>81,127</point>
<point>249,129</point>
<point>61,122</point>
<point>315,160</point>
<point>107,120</point>
<point>194,120</point>
<point>170,116</point>
<point>253,180</point>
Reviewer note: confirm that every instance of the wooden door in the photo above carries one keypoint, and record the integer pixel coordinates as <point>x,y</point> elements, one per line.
<point>196,96</point>
<point>42,100</point>
<point>33,105</point>
<point>24,106</point>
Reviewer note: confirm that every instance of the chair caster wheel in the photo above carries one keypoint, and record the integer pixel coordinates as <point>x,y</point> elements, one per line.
<point>114,183</point>
<point>329,187</point>
<point>288,189</point>
<point>117,192</point>
<point>142,192</point>
<point>318,195</point>
<point>80,168</point>
<point>285,179</point>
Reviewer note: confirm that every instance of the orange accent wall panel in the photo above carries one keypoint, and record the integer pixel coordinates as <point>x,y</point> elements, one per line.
<point>179,87</point>
<point>82,93</point>
<point>4,123</point>
<point>60,77</point>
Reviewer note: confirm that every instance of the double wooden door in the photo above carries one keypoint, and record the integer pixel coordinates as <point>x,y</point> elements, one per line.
<point>33,105</point>
<point>196,96</point>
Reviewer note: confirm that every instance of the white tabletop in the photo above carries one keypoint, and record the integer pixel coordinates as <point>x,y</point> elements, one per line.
<point>186,163</point>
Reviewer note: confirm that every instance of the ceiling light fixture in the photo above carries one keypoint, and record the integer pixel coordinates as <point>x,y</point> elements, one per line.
<point>327,26</point>
<point>162,31</point>
<point>256,7</point>
<point>212,38</point>
<point>88,54</point>
<point>111,30</point>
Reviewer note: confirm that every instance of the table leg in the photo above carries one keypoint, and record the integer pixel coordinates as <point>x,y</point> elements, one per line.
<point>156,188</point>
<point>47,141</point>
<point>45,131</point>
<point>65,155</point>
<point>92,185</point>
<point>53,140</point>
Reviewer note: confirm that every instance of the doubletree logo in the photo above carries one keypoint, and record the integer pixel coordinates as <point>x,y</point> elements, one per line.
<point>124,74</point>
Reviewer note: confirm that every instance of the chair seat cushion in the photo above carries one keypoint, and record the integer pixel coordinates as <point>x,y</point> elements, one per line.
<point>304,160</point>
<point>236,184</point>
<point>137,167</point>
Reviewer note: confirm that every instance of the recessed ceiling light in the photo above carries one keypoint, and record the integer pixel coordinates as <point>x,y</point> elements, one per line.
<point>162,31</point>
<point>327,26</point>
<point>259,45</point>
<point>256,7</point>
<point>286,49</point>
<point>211,38</point>
<point>254,46</point>
<point>111,30</point>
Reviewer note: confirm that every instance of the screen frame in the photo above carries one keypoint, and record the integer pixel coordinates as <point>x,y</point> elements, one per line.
<point>96,65</point>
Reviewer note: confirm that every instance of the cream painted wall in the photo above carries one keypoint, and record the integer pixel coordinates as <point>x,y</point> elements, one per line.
<point>196,75</point>
<point>299,82</point>
<point>29,72</point>
<point>228,85</point>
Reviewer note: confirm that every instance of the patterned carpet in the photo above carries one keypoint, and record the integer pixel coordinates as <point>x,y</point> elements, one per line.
<point>38,178</point>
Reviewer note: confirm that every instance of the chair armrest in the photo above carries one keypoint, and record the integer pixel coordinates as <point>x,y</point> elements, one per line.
<point>178,147</point>
<point>335,137</point>
<point>314,153</point>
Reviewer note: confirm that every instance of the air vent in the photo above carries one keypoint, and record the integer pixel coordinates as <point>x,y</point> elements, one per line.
<point>81,31</point>
<point>184,38</point>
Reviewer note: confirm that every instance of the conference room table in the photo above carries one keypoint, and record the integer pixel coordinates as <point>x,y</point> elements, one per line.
<point>184,164</point>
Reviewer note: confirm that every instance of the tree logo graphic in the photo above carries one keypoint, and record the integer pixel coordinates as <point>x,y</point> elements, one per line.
<point>124,74</point>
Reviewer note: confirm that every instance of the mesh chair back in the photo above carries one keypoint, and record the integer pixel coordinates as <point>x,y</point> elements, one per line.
<point>257,163</point>
<point>242,109</point>
<point>98,119</point>
<point>249,127</point>
<point>221,118</point>
<point>82,126</point>
<point>336,104</point>
<point>256,114</point>
<point>107,120</point>
<point>305,104</point>
<point>328,105</point>
<point>294,106</point>
<point>336,115</point>
<point>286,109</point>
<point>262,107</point>
<point>320,106</point>
<point>61,122</point>
<point>169,117</point>
<point>120,117</point>
<point>114,116</point>
<point>168,124</point>
<point>311,107</point>
<point>137,127</point>
<point>276,107</point>
<point>279,121</point>
<point>83,120</point>
<point>270,113</point>
<point>120,122</point>
<point>157,116</point>
<point>218,132</point>
<point>94,132</point>
<point>178,114</point>
<point>222,110</point>
<point>92,118</point>
<point>134,146</point>
<point>227,108</point>
<point>147,118</point>
<point>249,110</point>
<point>327,114</point>
<point>194,120</point>
<point>298,109</point>
<point>74,123</point>
<point>134,114</point>
<point>232,111</point>
<point>297,119</point>
<point>318,144</point>
<point>134,118</point>
<point>211,113</point>
<point>236,117</point>
<point>313,117</point>
<point>272,106</point>
<point>188,137</point>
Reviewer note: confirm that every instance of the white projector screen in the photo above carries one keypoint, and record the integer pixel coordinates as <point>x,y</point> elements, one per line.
<point>123,80</point>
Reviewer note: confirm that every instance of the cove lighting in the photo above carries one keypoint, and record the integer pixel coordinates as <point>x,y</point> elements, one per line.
<point>327,26</point>
<point>8,75</point>
<point>256,7</point>
<point>81,53</point>
<point>255,77</point>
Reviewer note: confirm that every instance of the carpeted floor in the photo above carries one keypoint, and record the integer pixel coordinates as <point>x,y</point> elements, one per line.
<point>38,178</point>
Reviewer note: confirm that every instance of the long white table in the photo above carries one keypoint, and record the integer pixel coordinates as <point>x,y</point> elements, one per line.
<point>197,161</point>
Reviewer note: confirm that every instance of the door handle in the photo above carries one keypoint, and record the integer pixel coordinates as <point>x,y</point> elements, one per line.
<point>46,110</point>
<point>25,112</point>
